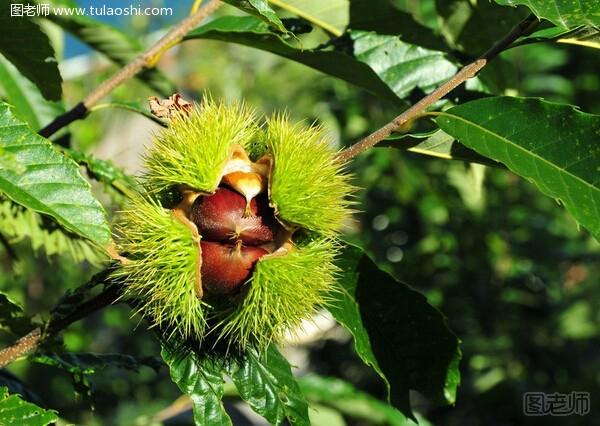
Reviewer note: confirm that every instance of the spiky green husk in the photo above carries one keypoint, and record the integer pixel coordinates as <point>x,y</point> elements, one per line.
<point>308,185</point>
<point>284,291</point>
<point>308,188</point>
<point>162,267</point>
<point>194,149</point>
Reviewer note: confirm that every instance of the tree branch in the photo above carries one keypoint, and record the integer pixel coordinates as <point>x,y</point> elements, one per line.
<point>469,71</point>
<point>32,340</point>
<point>146,59</point>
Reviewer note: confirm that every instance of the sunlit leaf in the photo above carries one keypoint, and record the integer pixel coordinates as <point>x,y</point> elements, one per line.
<point>252,32</point>
<point>402,66</point>
<point>16,411</point>
<point>555,146</point>
<point>349,400</point>
<point>29,104</point>
<point>564,13</point>
<point>261,9</point>
<point>50,183</point>
<point>332,16</point>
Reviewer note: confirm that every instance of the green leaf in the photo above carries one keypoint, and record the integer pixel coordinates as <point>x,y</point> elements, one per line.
<point>332,16</point>
<point>384,65</point>
<point>89,363</point>
<point>438,144</point>
<point>396,332</point>
<point>26,98</point>
<point>13,317</point>
<point>36,61</point>
<point>111,42</point>
<point>564,13</point>
<point>202,379</point>
<point>266,382</point>
<point>384,18</point>
<point>50,183</point>
<point>8,161</point>
<point>19,223</point>
<point>582,36</point>
<point>321,415</point>
<point>555,146</point>
<point>347,399</point>
<point>250,31</point>
<point>402,66</point>
<point>16,411</point>
<point>468,27</point>
<point>261,9</point>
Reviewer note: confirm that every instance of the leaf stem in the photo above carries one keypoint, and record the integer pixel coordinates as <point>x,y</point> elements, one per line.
<point>145,60</point>
<point>129,108</point>
<point>525,27</point>
<point>32,340</point>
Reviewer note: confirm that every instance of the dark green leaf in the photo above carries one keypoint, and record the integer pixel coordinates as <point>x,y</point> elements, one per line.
<point>582,36</point>
<point>564,13</point>
<point>384,18</point>
<point>384,65</point>
<point>26,97</point>
<point>201,379</point>
<point>438,144</point>
<point>403,338</point>
<point>261,9</point>
<point>252,32</point>
<point>50,183</point>
<point>344,397</point>
<point>89,363</point>
<point>16,411</point>
<point>73,300</point>
<point>585,36</point>
<point>24,44</point>
<point>555,146</point>
<point>469,27</point>
<point>267,384</point>
<point>112,42</point>
<point>16,386</point>
<point>13,317</point>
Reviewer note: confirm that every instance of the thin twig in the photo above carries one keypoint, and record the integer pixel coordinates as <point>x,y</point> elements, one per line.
<point>146,59</point>
<point>32,340</point>
<point>21,347</point>
<point>523,28</point>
